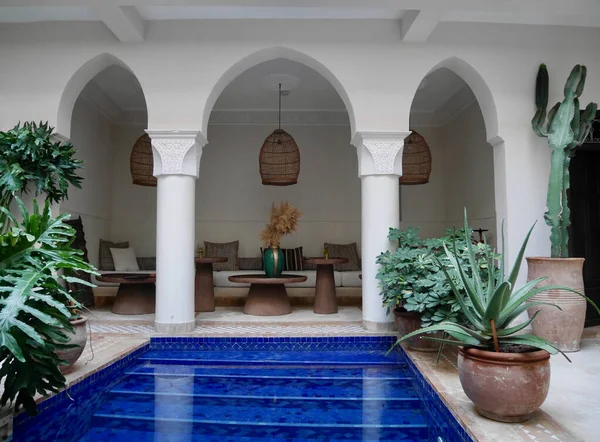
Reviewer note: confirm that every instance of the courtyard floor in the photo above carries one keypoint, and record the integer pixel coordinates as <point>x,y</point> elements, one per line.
<point>570,413</point>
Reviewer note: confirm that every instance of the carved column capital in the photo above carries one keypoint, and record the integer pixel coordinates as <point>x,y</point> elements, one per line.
<point>379,153</point>
<point>177,152</point>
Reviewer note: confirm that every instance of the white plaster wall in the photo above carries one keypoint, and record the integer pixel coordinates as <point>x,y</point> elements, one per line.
<point>179,64</point>
<point>231,202</point>
<point>468,172</point>
<point>91,137</point>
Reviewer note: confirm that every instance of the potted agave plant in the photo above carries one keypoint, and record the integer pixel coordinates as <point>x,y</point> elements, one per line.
<point>282,221</point>
<point>566,128</point>
<point>506,374</point>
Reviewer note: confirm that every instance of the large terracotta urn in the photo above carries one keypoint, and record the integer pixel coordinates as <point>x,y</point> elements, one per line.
<point>408,322</point>
<point>78,338</point>
<point>506,387</point>
<point>562,328</point>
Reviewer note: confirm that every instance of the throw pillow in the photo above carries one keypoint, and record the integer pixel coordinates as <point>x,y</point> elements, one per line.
<point>349,251</point>
<point>292,259</point>
<point>227,250</point>
<point>105,259</point>
<point>125,260</point>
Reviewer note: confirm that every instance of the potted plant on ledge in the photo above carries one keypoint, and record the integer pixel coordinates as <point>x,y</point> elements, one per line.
<point>414,286</point>
<point>567,128</point>
<point>504,373</point>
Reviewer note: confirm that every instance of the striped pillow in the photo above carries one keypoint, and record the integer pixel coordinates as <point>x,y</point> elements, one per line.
<point>349,251</point>
<point>292,258</point>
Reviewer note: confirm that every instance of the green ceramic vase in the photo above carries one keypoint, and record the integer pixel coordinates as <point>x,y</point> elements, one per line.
<point>273,262</point>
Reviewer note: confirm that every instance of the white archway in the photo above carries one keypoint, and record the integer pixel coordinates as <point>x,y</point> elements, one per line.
<point>77,82</point>
<point>268,54</point>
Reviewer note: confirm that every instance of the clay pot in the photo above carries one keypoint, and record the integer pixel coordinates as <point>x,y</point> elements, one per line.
<point>408,322</point>
<point>506,387</point>
<point>79,338</point>
<point>562,328</point>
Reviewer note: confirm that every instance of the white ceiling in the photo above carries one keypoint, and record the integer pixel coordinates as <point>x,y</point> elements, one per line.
<point>555,12</point>
<point>118,94</point>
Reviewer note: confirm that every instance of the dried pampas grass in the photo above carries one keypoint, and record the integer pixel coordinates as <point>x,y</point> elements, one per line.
<point>282,221</point>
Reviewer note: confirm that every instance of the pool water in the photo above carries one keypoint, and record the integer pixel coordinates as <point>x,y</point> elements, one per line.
<point>329,393</point>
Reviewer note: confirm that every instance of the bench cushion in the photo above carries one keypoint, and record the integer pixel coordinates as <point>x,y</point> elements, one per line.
<point>351,279</point>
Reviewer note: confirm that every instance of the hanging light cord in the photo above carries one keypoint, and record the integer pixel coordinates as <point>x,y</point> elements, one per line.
<point>279,117</point>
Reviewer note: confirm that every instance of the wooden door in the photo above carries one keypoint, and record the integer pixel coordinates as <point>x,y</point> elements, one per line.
<point>584,200</point>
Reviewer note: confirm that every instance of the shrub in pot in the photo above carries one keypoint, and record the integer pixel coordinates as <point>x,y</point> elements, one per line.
<point>505,374</point>
<point>413,283</point>
<point>567,127</point>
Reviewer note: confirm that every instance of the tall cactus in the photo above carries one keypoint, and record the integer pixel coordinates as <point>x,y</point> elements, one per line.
<point>566,128</point>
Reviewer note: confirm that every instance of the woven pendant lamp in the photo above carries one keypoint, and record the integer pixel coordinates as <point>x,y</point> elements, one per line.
<point>416,160</point>
<point>141,162</point>
<point>279,158</point>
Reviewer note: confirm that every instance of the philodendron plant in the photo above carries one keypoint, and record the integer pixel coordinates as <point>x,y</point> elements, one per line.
<point>490,308</point>
<point>566,128</point>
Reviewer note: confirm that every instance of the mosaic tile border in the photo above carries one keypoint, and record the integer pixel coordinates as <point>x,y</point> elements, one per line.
<point>332,343</point>
<point>109,370</point>
<point>440,419</point>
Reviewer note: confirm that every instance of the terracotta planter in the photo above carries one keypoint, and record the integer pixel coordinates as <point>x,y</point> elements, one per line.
<point>506,387</point>
<point>79,338</point>
<point>562,328</point>
<point>408,322</point>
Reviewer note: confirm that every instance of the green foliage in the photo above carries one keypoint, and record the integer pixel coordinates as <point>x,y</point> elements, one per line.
<point>413,277</point>
<point>484,304</point>
<point>33,304</point>
<point>30,158</point>
<point>567,128</point>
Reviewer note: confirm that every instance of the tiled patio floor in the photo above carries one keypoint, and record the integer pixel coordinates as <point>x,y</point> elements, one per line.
<point>570,414</point>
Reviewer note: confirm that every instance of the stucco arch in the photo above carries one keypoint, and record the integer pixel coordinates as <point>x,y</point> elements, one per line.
<point>268,54</point>
<point>77,82</point>
<point>480,89</point>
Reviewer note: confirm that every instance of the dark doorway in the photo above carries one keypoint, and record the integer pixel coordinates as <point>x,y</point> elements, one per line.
<point>584,200</point>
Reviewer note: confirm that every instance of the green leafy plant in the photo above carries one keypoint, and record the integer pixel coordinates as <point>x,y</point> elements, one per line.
<point>29,158</point>
<point>490,308</point>
<point>34,306</point>
<point>413,278</point>
<point>566,128</point>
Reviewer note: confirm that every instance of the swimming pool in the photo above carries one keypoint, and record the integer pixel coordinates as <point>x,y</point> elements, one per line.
<point>250,389</point>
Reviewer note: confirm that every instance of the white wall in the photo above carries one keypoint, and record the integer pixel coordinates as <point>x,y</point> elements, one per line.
<point>231,202</point>
<point>462,175</point>
<point>91,137</point>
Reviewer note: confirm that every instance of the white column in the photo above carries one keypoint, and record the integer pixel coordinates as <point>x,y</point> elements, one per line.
<point>176,164</point>
<point>380,167</point>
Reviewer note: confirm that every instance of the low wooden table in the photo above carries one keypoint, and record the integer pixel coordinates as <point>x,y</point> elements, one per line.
<point>136,294</point>
<point>325,297</point>
<point>267,296</point>
<point>204,292</point>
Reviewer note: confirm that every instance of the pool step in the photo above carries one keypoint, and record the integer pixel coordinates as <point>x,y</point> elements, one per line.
<point>126,428</point>
<point>269,410</point>
<point>332,358</point>
<point>281,387</point>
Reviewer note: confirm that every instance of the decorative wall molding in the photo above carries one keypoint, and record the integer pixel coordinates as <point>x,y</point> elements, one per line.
<point>268,117</point>
<point>177,152</point>
<point>379,153</point>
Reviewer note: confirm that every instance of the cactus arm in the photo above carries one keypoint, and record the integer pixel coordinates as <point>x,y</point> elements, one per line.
<point>565,218</point>
<point>551,116</point>
<point>585,125</point>
<point>541,101</point>
<point>573,83</point>
<point>553,202</point>
<point>581,83</point>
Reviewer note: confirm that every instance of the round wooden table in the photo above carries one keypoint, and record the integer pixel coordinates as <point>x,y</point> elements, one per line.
<point>325,297</point>
<point>204,292</point>
<point>136,294</point>
<point>267,296</point>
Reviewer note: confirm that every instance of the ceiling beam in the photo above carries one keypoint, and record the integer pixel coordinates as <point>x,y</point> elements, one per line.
<point>124,21</point>
<point>417,26</point>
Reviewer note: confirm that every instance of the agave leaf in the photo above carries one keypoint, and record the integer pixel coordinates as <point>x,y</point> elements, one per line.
<point>511,330</point>
<point>534,341</point>
<point>514,274</point>
<point>468,337</point>
<point>494,307</point>
<point>506,320</point>
<point>477,285</point>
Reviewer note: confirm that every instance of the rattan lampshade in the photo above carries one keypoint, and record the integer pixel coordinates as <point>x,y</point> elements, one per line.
<point>279,159</point>
<point>141,162</point>
<point>416,160</point>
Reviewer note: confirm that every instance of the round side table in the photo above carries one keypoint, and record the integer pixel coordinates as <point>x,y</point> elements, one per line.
<point>204,292</point>
<point>267,296</point>
<point>325,297</point>
<point>136,294</point>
